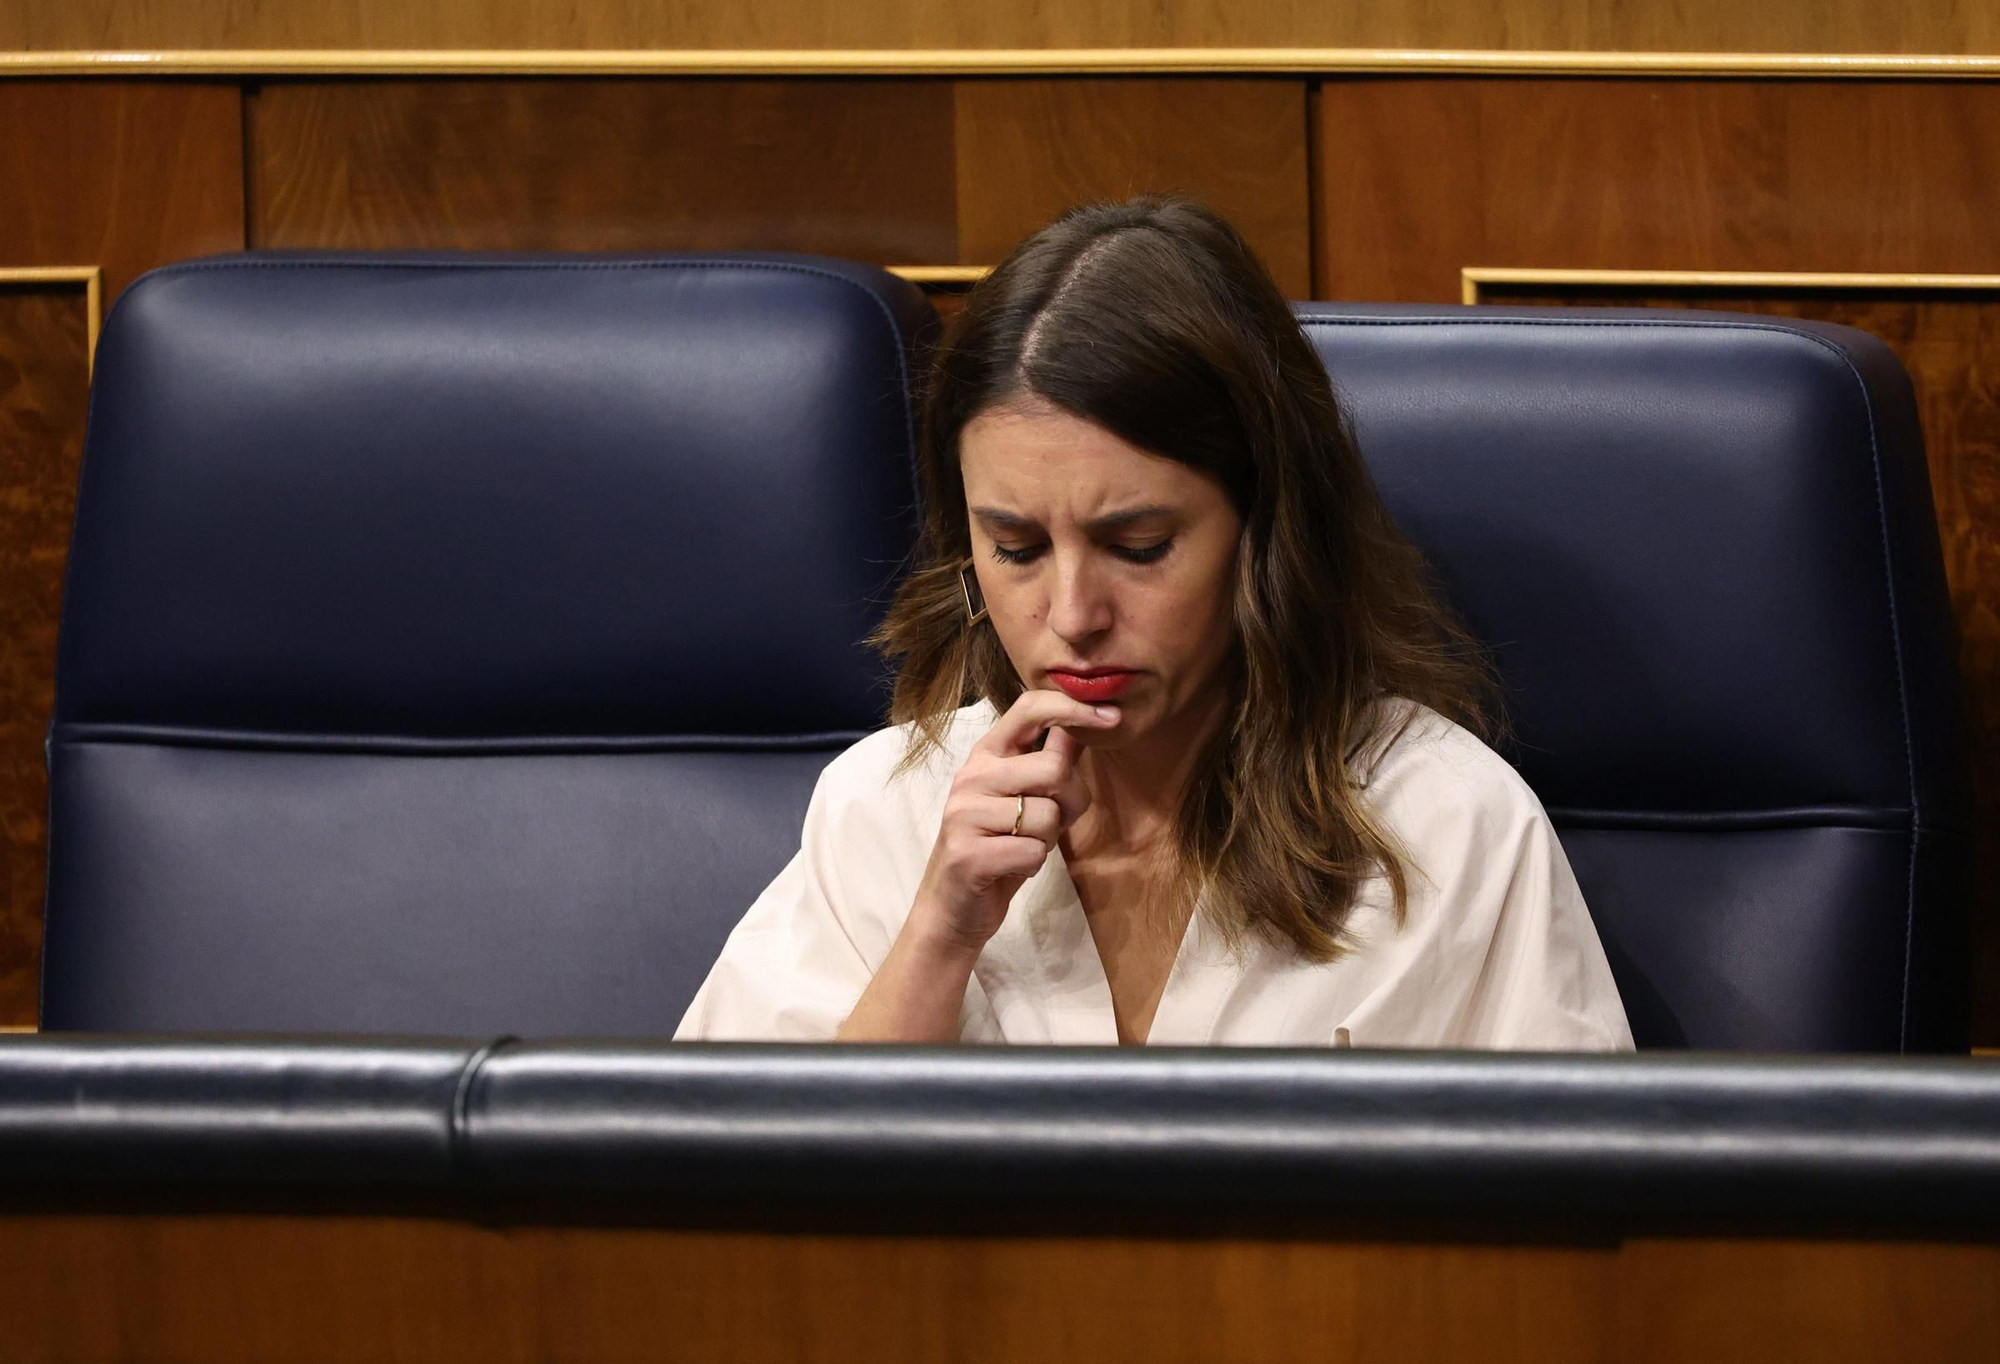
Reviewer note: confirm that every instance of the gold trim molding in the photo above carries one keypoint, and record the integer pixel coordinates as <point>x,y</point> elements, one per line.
<point>995,62</point>
<point>1473,278</point>
<point>941,274</point>
<point>90,277</point>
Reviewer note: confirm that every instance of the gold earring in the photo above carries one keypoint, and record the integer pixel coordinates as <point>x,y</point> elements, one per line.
<point>972,617</point>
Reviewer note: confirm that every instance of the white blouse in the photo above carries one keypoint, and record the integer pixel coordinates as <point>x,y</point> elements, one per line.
<point>1497,949</point>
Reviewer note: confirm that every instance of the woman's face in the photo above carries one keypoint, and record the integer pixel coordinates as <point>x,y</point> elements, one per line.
<point>1093,554</point>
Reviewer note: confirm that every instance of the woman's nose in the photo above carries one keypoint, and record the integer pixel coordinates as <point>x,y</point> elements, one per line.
<point>1079,605</point>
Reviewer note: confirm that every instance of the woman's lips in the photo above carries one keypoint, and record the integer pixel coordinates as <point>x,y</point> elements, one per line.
<point>1098,687</point>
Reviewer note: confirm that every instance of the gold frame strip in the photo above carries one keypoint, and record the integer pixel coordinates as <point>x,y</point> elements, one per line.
<point>941,274</point>
<point>1472,277</point>
<point>994,62</point>
<point>91,277</point>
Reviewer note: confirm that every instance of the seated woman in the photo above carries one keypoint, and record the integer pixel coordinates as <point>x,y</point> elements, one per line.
<point>1186,750</point>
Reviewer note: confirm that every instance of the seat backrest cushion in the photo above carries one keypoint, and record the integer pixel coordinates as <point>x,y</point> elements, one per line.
<point>1702,549</point>
<point>450,643</point>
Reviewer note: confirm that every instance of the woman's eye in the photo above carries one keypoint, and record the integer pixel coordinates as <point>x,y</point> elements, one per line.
<point>1147,554</point>
<point>1138,554</point>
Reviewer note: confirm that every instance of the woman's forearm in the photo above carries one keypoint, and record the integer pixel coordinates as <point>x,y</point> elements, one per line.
<point>917,994</point>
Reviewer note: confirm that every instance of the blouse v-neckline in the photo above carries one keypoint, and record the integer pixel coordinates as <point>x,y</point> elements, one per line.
<point>1045,978</point>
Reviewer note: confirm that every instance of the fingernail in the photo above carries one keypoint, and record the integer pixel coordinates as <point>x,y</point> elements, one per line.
<point>1106,712</point>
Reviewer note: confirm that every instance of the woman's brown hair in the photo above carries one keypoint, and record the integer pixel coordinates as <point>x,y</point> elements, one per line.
<point>1153,319</point>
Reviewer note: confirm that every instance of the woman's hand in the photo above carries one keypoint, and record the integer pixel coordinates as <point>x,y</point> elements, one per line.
<point>978,862</point>
<point>976,866</point>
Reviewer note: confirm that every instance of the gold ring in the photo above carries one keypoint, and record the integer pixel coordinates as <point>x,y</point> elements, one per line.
<point>1020,813</point>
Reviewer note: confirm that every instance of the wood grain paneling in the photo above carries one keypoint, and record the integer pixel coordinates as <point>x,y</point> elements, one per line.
<point>1948,341</point>
<point>128,176</point>
<point>1418,178</point>
<point>123,175</point>
<point>1027,149</point>
<point>43,393</point>
<point>1602,25</point>
<point>1753,1302</point>
<point>848,168</point>
<point>342,1287</point>
<point>896,172</point>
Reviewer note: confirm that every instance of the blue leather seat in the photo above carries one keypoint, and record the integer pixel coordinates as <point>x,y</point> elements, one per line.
<point>1704,550</point>
<point>450,643</point>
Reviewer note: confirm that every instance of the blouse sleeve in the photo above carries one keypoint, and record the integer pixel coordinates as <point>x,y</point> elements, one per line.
<point>796,964</point>
<point>1499,950</point>
<point>1542,983</point>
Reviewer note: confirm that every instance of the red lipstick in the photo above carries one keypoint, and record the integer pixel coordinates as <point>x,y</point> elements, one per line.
<point>1097,684</point>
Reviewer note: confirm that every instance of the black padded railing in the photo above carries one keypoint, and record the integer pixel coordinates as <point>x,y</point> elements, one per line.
<point>1068,1133</point>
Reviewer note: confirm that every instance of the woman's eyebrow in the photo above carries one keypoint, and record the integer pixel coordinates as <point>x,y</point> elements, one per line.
<point>1006,520</point>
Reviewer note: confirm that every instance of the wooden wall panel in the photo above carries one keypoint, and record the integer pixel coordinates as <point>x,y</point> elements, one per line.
<point>850,168</point>
<point>1027,149</point>
<point>1951,26</point>
<point>44,385</point>
<point>339,1287</point>
<point>896,172</point>
<point>126,176</point>
<point>1758,1301</point>
<point>1418,178</point>
<point>173,1286</point>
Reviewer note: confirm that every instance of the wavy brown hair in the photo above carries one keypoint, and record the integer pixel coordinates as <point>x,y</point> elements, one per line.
<point>1153,319</point>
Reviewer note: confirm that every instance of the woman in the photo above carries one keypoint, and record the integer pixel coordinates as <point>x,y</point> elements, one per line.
<point>1222,776</point>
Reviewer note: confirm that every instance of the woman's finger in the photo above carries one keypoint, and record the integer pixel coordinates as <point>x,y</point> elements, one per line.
<point>1051,772</point>
<point>1069,791</point>
<point>1041,818</point>
<point>1020,729</point>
